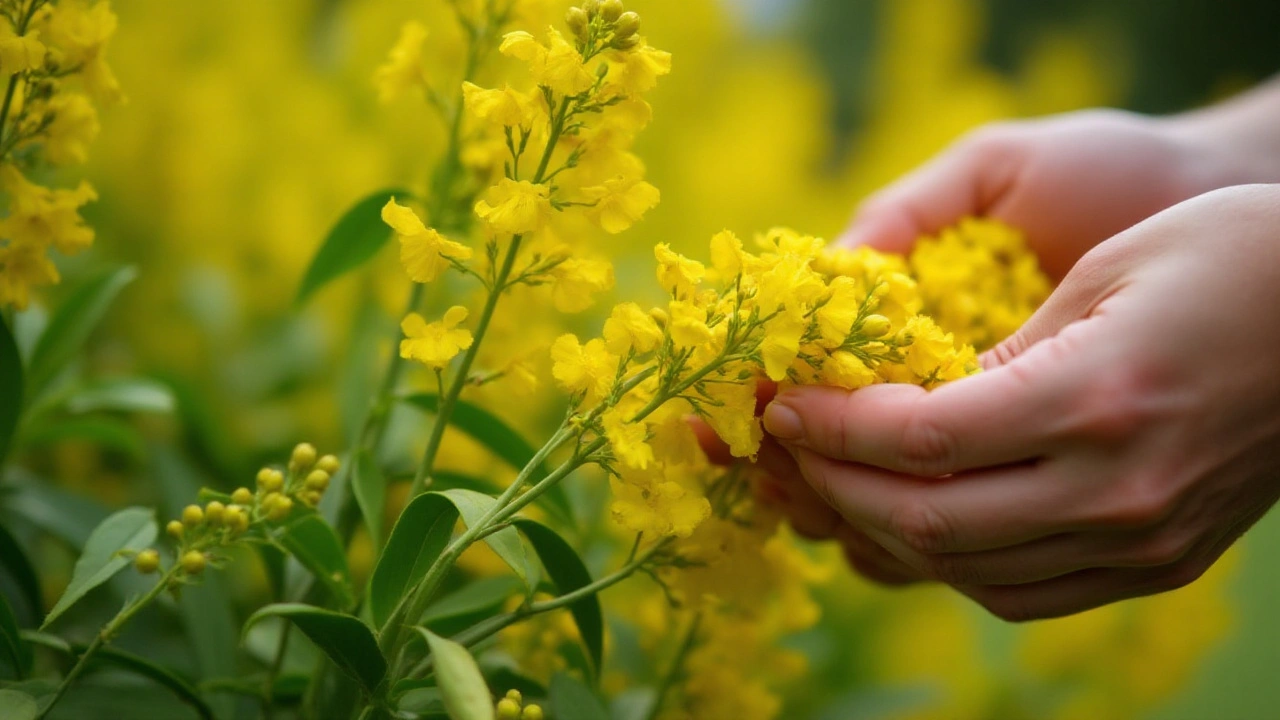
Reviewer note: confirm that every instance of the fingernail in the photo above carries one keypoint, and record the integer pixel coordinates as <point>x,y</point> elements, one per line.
<point>782,422</point>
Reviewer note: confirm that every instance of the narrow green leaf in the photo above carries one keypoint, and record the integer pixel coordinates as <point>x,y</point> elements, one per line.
<point>67,516</point>
<point>10,388</point>
<point>487,429</point>
<point>19,569</point>
<point>131,529</point>
<point>571,700</point>
<point>470,604</point>
<point>313,543</point>
<point>569,572</point>
<point>106,432</point>
<point>465,694</point>
<point>420,534</point>
<point>12,646</point>
<point>122,394</point>
<point>506,542</point>
<point>370,489</point>
<point>136,664</point>
<point>16,705</point>
<point>71,326</point>
<point>358,235</point>
<point>347,641</point>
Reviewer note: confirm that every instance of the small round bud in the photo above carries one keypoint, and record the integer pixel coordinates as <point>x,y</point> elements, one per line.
<point>514,694</point>
<point>531,712</point>
<point>310,497</point>
<point>875,326</point>
<point>304,455</point>
<point>234,517</point>
<point>270,479</point>
<point>591,7</point>
<point>577,21</point>
<point>174,529</point>
<point>192,515</point>
<point>611,10</point>
<point>628,24</point>
<point>277,506</point>
<point>147,561</point>
<point>214,511</point>
<point>626,43</point>
<point>193,562</point>
<point>317,480</point>
<point>329,464</point>
<point>242,496</point>
<point>508,709</point>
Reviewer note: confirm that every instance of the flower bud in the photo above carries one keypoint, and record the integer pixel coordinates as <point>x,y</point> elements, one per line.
<point>192,515</point>
<point>628,24</point>
<point>277,506</point>
<point>193,562</point>
<point>317,480</point>
<point>310,497</point>
<point>174,528</point>
<point>577,21</point>
<point>147,561</point>
<point>242,496</point>
<point>591,7</point>
<point>508,709</point>
<point>875,326</point>
<point>611,10</point>
<point>329,464</point>
<point>514,694</point>
<point>626,43</point>
<point>214,511</point>
<point>531,712</point>
<point>270,479</point>
<point>303,457</point>
<point>235,518</point>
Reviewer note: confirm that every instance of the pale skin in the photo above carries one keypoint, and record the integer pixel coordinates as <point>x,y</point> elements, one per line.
<point>1129,433</point>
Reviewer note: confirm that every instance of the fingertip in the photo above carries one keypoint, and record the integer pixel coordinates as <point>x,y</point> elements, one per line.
<point>884,230</point>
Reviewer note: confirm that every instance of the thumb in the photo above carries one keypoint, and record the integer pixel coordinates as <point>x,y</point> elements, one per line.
<point>969,178</point>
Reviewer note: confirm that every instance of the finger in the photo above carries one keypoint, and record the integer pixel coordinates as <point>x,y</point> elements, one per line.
<point>967,179</point>
<point>874,562</point>
<point>717,450</point>
<point>808,515</point>
<point>915,517</point>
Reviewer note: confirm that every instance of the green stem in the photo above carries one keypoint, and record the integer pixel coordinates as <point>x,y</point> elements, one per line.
<point>677,665</point>
<point>109,631</point>
<point>269,683</point>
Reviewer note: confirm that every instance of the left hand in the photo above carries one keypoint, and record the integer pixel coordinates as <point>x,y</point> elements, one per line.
<point>1114,447</point>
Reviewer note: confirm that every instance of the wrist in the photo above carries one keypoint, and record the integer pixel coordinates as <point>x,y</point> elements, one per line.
<point>1236,142</point>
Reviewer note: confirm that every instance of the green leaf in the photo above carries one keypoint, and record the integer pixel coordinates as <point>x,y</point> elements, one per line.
<point>16,705</point>
<point>465,694</point>
<point>106,432</point>
<point>71,325</point>
<point>347,641</point>
<point>357,237</point>
<point>123,394</point>
<point>506,542</point>
<point>490,431</point>
<point>66,516</point>
<point>313,543</point>
<point>420,534</point>
<point>12,646</point>
<point>571,700</point>
<point>131,529</point>
<point>370,489</point>
<point>470,604</point>
<point>136,664</point>
<point>569,572</point>
<point>10,388</point>
<point>14,560</point>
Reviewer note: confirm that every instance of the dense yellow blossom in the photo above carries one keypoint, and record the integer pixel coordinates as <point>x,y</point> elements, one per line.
<point>620,202</point>
<point>77,33</point>
<point>405,68</point>
<point>437,343</point>
<point>503,107</point>
<point>424,252</point>
<point>43,216</point>
<point>556,65</point>
<point>19,53</point>
<point>515,207</point>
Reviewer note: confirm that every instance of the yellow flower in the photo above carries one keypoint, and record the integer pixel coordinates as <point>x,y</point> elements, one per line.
<point>23,266</point>
<point>838,313</point>
<point>78,34</point>
<point>732,414</point>
<point>726,255</point>
<point>649,503</point>
<point>424,252</point>
<point>403,70</point>
<point>844,369</point>
<point>515,207</point>
<point>928,347</point>
<point>637,71</point>
<point>72,127</point>
<point>578,281</point>
<point>629,440</point>
<point>41,216</point>
<point>19,54</point>
<point>620,202</point>
<point>688,324</point>
<point>434,345</point>
<point>631,328</point>
<point>504,107</point>
<point>677,274</point>
<point>578,368</point>
<point>558,65</point>
<point>781,343</point>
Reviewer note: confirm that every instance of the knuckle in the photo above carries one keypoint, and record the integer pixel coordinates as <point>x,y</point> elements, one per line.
<point>953,570</point>
<point>921,527</point>
<point>1163,549</point>
<point>1141,501</point>
<point>1117,403</point>
<point>926,448</point>
<point>1180,575</point>
<point>992,139</point>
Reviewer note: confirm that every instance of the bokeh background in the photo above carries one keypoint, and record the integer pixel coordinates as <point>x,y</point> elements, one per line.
<point>251,126</point>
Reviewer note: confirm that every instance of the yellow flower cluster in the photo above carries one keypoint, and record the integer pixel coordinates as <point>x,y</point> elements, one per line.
<point>513,707</point>
<point>47,49</point>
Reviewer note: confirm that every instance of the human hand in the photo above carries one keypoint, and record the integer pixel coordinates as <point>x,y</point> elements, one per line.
<point>1068,181</point>
<point>1115,446</point>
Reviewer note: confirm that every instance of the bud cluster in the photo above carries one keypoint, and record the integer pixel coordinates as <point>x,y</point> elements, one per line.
<point>512,706</point>
<point>606,22</point>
